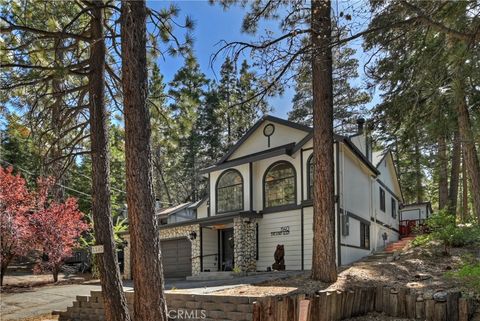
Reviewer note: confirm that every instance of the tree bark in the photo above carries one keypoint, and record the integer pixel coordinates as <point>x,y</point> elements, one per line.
<point>3,268</point>
<point>323,261</point>
<point>442,167</point>
<point>149,299</point>
<point>466,136</point>
<point>465,211</point>
<point>116,308</point>
<point>454,174</point>
<point>418,170</point>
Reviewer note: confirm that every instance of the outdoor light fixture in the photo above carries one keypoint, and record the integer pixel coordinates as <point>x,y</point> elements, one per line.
<point>193,235</point>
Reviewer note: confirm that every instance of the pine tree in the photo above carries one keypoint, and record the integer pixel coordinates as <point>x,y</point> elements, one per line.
<point>187,90</point>
<point>348,100</point>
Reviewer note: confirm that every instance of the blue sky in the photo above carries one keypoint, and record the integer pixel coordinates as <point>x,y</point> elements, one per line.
<point>213,24</point>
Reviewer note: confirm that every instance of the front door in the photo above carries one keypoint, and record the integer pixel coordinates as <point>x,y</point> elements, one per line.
<point>226,249</point>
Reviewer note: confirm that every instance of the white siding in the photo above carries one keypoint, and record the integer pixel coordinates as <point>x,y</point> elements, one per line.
<point>414,212</point>
<point>350,255</point>
<point>267,243</point>
<point>355,183</point>
<point>308,237</point>
<point>360,141</point>
<point>258,142</point>
<point>210,246</point>
<point>202,210</point>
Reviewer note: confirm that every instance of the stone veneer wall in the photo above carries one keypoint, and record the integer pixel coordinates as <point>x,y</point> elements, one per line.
<point>166,234</point>
<point>245,243</point>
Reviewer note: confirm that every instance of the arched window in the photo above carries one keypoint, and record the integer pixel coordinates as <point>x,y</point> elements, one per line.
<point>310,177</point>
<point>279,185</point>
<point>229,191</point>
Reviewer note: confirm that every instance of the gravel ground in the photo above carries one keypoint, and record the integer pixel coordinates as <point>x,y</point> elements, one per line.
<point>416,268</point>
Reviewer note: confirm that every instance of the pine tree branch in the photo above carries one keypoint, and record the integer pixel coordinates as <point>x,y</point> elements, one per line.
<point>53,34</point>
<point>424,18</point>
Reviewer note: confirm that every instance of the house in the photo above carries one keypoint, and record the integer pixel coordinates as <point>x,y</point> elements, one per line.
<point>260,196</point>
<point>414,215</point>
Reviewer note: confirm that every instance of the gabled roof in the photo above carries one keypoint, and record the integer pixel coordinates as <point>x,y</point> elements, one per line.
<point>272,152</point>
<point>173,209</point>
<point>379,156</point>
<point>257,125</point>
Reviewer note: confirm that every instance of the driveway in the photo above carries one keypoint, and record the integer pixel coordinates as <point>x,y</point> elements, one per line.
<point>43,300</point>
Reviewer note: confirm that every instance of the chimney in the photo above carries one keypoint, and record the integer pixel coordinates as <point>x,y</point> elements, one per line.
<point>360,124</point>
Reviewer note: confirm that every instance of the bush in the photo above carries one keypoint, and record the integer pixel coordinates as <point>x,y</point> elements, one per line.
<point>421,240</point>
<point>468,274</point>
<point>443,227</point>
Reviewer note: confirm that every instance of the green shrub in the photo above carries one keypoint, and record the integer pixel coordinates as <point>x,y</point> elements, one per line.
<point>468,274</point>
<point>443,227</point>
<point>421,240</point>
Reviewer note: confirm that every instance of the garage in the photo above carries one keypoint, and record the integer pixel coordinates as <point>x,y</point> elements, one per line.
<point>176,258</point>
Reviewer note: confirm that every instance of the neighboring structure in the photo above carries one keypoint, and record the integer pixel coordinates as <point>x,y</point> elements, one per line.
<point>414,215</point>
<point>260,195</point>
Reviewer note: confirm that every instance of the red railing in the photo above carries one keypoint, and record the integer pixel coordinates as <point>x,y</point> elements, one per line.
<point>408,227</point>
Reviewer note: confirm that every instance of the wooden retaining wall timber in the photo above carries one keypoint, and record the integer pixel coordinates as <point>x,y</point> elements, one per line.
<point>340,305</point>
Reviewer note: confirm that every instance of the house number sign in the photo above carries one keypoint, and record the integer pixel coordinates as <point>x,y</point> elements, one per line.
<point>284,230</point>
<point>97,249</point>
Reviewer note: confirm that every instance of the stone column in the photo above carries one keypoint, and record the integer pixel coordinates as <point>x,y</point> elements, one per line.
<point>245,244</point>
<point>127,269</point>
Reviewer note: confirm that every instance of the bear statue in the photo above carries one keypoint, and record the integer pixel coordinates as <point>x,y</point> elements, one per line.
<point>279,257</point>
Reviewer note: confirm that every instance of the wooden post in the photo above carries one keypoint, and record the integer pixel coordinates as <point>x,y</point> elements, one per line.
<point>356,302</point>
<point>321,312</point>
<point>440,311</point>
<point>452,306</point>
<point>379,298</point>
<point>463,309</point>
<point>402,302</point>
<point>393,311</point>
<point>386,299</point>
<point>304,310</point>
<point>429,309</point>
<point>330,302</point>
<point>350,298</point>
<point>373,292</point>
<point>339,305</point>
<point>257,311</point>
<point>291,308</point>
<point>410,305</point>
<point>420,308</point>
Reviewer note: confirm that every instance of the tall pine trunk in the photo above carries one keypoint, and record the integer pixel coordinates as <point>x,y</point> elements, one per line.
<point>323,259</point>
<point>465,213</point>
<point>149,300</point>
<point>454,174</point>
<point>466,136</point>
<point>116,308</point>
<point>418,171</point>
<point>442,168</point>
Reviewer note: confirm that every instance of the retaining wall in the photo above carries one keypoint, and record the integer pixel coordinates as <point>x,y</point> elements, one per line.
<point>323,306</point>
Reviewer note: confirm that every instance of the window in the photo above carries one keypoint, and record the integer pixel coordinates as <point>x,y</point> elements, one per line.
<point>382,199</point>
<point>364,236</point>
<point>279,185</point>
<point>394,208</point>
<point>310,178</point>
<point>229,191</point>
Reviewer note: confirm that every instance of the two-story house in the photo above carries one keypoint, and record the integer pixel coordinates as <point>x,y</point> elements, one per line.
<point>260,196</point>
